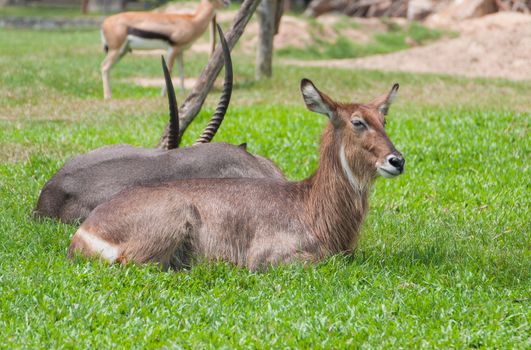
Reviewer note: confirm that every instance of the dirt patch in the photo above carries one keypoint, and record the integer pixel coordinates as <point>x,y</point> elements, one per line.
<point>159,82</point>
<point>300,33</point>
<point>497,45</point>
<point>189,83</point>
<point>292,32</point>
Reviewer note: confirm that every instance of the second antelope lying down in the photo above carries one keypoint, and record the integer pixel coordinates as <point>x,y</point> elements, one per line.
<point>254,223</point>
<point>90,179</point>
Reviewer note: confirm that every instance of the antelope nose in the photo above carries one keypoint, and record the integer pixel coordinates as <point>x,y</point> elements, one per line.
<point>397,162</point>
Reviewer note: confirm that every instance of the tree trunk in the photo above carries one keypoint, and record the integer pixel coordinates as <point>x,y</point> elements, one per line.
<point>192,105</point>
<point>266,31</point>
<point>84,6</point>
<point>281,6</point>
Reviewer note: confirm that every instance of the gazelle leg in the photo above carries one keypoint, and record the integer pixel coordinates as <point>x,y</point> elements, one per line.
<point>112,57</point>
<point>180,62</point>
<point>170,58</point>
<point>174,53</point>
<point>105,67</point>
<point>212,35</point>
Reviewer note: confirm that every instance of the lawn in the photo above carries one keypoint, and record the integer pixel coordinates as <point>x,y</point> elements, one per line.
<point>444,260</point>
<point>42,11</point>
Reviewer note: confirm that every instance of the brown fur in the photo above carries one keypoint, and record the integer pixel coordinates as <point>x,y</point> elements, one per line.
<point>182,29</point>
<point>255,222</point>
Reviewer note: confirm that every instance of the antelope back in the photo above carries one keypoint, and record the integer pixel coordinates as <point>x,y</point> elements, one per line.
<point>219,4</point>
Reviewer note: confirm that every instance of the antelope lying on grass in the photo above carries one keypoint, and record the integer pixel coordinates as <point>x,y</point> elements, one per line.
<point>149,30</point>
<point>90,179</point>
<point>254,222</point>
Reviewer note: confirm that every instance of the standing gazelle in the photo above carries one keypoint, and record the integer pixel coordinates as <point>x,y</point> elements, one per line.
<point>255,222</point>
<point>149,30</point>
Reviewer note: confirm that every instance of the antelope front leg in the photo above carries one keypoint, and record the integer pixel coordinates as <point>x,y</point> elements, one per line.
<point>173,53</point>
<point>111,58</point>
<point>170,66</point>
<point>263,255</point>
<point>180,61</point>
<point>212,40</point>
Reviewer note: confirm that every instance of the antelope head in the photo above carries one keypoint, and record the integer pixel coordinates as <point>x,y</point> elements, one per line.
<point>365,150</point>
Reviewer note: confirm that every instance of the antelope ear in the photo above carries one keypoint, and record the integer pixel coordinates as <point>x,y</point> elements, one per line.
<point>383,102</point>
<point>316,101</point>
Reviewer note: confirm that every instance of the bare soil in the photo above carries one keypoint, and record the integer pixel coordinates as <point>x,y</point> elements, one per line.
<point>189,83</point>
<point>494,46</point>
<point>497,46</point>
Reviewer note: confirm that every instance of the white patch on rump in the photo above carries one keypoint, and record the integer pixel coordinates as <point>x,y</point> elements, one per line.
<point>98,246</point>
<point>354,182</point>
<point>138,43</point>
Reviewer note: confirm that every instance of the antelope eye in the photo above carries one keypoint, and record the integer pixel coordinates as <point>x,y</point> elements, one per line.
<point>358,124</point>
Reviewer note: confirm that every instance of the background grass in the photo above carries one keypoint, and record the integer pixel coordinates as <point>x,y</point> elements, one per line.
<point>444,258</point>
<point>43,11</point>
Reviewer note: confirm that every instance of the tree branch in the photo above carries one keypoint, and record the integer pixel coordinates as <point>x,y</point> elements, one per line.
<point>194,101</point>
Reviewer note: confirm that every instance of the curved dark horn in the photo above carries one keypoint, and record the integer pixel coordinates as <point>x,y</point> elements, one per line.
<point>174,138</point>
<point>223,104</point>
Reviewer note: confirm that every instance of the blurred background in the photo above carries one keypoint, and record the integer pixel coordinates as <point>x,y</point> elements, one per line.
<point>478,38</point>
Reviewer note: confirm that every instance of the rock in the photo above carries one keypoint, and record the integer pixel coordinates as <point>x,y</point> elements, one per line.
<point>420,9</point>
<point>465,9</point>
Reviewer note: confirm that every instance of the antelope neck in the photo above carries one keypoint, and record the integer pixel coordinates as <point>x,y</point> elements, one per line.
<point>335,206</point>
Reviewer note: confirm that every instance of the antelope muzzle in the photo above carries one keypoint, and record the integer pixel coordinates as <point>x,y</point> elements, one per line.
<point>392,166</point>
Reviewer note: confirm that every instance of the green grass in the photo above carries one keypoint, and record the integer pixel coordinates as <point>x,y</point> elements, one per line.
<point>394,39</point>
<point>40,11</point>
<point>444,260</point>
<point>36,10</point>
